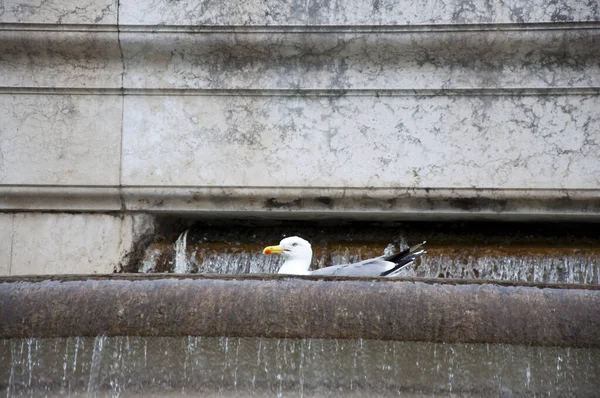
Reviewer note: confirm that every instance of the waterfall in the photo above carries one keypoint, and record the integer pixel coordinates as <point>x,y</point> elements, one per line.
<point>182,265</point>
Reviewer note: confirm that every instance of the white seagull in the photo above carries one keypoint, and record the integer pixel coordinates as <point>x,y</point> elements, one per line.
<point>298,255</point>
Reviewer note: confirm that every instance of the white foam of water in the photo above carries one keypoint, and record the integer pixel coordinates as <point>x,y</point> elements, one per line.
<point>137,366</point>
<point>577,267</point>
<point>95,367</point>
<point>149,263</point>
<point>182,265</point>
<point>572,268</point>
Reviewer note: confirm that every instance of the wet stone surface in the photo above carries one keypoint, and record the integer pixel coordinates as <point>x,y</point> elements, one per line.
<point>241,367</point>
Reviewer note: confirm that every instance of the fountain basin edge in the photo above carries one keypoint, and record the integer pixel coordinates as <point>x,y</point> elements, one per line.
<point>276,306</point>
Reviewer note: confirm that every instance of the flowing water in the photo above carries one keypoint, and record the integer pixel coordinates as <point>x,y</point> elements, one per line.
<point>196,366</point>
<point>132,366</point>
<point>521,252</point>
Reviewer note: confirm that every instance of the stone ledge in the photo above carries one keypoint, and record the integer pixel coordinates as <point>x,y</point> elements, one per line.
<point>299,92</point>
<point>298,308</point>
<point>368,203</point>
<point>292,29</point>
<point>313,202</point>
<point>309,59</point>
<point>59,198</point>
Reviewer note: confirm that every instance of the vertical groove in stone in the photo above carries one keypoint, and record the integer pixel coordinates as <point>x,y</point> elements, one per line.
<point>12,243</point>
<point>122,109</point>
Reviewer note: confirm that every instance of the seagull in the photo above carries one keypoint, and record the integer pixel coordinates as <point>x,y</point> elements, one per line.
<point>298,255</point>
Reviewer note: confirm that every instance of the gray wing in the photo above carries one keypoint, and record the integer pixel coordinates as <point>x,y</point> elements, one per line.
<point>370,267</point>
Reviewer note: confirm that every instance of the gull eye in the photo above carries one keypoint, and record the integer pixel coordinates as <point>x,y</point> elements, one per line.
<point>294,244</point>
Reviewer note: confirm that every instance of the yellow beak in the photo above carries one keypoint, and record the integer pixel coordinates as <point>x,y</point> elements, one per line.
<point>273,250</point>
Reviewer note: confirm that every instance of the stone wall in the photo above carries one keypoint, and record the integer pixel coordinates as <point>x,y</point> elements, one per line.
<point>367,109</point>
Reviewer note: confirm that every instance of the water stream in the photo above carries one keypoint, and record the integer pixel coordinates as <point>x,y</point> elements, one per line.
<point>132,366</point>
<point>165,366</point>
<point>551,253</point>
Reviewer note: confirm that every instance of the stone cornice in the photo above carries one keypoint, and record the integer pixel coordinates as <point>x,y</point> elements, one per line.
<point>310,202</point>
<point>462,92</point>
<point>302,29</point>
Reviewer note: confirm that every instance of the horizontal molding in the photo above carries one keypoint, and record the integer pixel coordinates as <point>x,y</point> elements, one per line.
<point>311,202</point>
<point>304,29</point>
<point>351,64</point>
<point>57,198</point>
<point>500,91</point>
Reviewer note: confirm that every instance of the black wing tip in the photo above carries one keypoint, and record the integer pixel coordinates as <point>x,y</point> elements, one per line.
<point>404,258</point>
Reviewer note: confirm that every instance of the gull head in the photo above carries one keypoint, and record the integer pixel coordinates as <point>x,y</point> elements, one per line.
<point>297,254</point>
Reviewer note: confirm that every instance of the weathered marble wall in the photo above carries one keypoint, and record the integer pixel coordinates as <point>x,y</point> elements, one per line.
<point>95,12</point>
<point>47,243</point>
<point>355,12</point>
<point>354,141</point>
<point>291,109</point>
<point>409,60</point>
<point>60,139</point>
